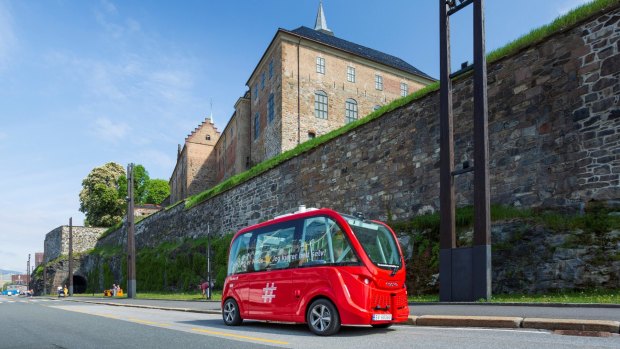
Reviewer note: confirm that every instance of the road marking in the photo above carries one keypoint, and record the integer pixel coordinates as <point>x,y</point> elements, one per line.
<point>148,322</point>
<point>239,336</point>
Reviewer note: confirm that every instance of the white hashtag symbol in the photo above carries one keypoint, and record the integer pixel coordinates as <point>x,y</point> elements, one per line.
<point>268,293</point>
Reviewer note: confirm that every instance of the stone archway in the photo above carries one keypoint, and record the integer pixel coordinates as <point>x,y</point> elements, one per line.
<point>79,284</point>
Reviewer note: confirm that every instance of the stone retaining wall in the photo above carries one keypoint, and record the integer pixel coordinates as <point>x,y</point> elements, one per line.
<point>57,241</point>
<point>554,135</point>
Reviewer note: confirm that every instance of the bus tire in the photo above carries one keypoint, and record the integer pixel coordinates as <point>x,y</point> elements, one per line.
<point>387,325</point>
<point>323,318</point>
<point>231,314</point>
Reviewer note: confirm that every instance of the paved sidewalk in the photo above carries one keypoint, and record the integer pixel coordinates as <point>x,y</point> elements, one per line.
<point>566,317</point>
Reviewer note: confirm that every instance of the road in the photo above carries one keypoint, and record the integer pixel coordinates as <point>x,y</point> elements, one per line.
<point>539,311</point>
<point>43,323</point>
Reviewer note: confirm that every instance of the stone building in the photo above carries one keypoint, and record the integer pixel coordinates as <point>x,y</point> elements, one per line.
<point>194,168</point>
<point>307,83</point>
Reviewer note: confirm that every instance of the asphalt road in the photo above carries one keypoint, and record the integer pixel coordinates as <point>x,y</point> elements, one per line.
<point>556,312</point>
<point>43,323</point>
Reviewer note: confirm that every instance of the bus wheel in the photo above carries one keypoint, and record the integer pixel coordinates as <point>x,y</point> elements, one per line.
<point>323,318</point>
<point>381,325</point>
<point>231,314</point>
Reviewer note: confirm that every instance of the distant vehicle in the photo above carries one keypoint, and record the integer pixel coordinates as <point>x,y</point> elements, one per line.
<point>10,292</point>
<point>319,267</point>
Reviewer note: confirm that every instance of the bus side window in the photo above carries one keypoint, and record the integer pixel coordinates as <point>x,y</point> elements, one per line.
<point>240,255</point>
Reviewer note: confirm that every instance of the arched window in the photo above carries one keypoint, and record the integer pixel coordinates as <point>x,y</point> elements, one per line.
<point>320,105</point>
<point>350,112</point>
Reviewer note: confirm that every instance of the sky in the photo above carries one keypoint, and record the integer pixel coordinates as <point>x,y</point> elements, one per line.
<point>83,83</point>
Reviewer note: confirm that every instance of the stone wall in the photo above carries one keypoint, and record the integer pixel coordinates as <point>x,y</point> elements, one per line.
<point>57,241</point>
<point>532,259</point>
<point>554,134</point>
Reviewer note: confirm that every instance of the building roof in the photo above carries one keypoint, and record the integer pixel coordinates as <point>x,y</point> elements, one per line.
<point>358,50</point>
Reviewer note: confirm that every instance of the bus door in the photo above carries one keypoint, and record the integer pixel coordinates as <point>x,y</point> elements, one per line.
<point>270,294</point>
<point>321,243</point>
<point>239,272</point>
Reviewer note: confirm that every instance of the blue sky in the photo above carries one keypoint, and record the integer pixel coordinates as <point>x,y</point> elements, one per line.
<point>83,83</point>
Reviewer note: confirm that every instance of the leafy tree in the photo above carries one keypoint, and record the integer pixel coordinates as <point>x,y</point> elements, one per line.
<point>155,191</point>
<point>99,199</point>
<point>141,180</point>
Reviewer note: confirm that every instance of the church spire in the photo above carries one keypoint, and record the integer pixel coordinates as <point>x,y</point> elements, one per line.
<point>321,22</point>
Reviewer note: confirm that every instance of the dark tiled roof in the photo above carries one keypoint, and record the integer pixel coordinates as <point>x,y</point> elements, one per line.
<point>356,49</point>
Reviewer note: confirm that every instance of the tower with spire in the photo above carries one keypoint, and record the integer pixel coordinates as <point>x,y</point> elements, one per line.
<point>321,22</point>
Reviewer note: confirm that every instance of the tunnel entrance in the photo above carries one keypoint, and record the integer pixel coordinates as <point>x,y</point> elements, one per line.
<point>79,284</point>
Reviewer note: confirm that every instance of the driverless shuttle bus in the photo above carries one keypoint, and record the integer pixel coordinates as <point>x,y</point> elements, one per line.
<point>319,267</point>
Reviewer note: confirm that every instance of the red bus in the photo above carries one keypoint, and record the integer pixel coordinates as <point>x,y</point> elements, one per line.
<point>319,267</point>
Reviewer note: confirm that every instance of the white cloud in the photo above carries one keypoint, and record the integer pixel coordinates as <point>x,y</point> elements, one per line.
<point>8,40</point>
<point>568,5</point>
<point>110,131</point>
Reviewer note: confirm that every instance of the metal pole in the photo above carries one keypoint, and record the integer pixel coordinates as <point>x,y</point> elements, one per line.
<point>131,250</point>
<point>208,262</point>
<point>70,256</point>
<point>446,189</point>
<point>482,209</point>
<point>44,276</point>
<point>28,272</point>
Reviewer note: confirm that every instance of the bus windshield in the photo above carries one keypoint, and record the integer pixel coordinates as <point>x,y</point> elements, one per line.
<point>377,241</point>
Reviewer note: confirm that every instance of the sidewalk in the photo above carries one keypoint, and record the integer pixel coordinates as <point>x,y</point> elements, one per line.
<point>578,318</point>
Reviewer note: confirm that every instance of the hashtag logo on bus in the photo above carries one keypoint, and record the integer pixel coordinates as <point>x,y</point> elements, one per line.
<point>268,294</point>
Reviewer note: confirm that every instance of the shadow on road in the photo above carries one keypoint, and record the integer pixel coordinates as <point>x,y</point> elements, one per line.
<point>284,328</point>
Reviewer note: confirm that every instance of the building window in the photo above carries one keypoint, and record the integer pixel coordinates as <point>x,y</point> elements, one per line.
<point>270,108</point>
<point>404,89</point>
<point>320,65</point>
<point>320,105</point>
<point>208,137</point>
<point>271,69</point>
<point>262,81</point>
<point>256,126</point>
<point>311,135</point>
<point>350,74</point>
<point>379,82</point>
<point>255,91</point>
<point>350,112</point>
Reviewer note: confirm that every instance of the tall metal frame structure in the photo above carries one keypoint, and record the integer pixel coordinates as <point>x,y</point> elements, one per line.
<point>465,273</point>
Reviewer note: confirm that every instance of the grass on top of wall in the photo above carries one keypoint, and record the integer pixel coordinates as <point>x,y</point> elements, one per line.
<point>565,21</point>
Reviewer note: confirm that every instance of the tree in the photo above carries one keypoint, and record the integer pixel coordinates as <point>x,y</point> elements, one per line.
<point>155,191</point>
<point>140,180</point>
<point>99,199</point>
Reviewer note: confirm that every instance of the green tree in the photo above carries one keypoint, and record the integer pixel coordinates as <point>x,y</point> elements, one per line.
<point>99,199</point>
<point>155,191</point>
<point>140,180</point>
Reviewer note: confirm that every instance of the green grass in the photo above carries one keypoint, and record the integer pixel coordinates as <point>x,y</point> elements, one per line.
<point>561,23</point>
<point>589,296</point>
<point>536,35</point>
<point>181,296</point>
<point>110,230</point>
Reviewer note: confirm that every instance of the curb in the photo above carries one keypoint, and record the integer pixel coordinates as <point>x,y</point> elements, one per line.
<point>516,322</point>
<point>449,320</point>
<point>517,304</point>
